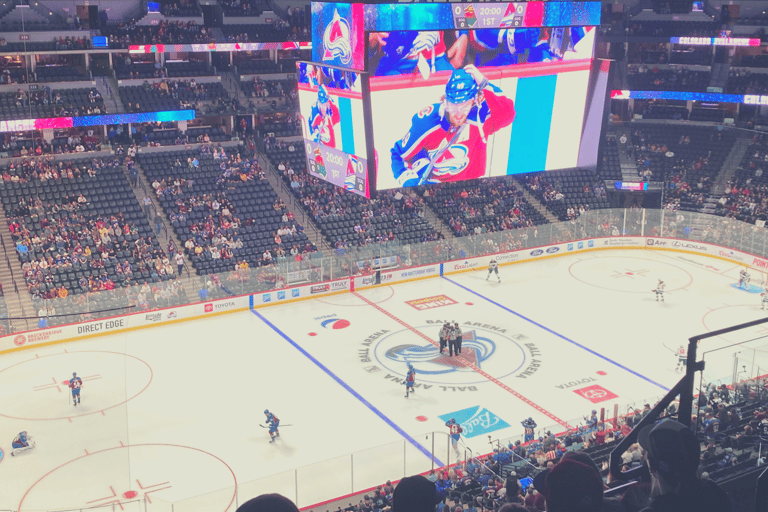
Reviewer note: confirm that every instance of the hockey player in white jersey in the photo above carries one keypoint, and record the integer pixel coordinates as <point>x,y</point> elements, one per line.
<point>22,443</point>
<point>682,359</point>
<point>659,290</point>
<point>764,298</point>
<point>493,266</point>
<point>744,278</point>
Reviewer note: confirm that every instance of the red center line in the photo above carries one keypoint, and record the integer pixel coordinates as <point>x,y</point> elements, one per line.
<point>467,364</point>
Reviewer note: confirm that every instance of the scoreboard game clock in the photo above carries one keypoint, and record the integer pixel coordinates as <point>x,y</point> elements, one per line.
<point>476,16</point>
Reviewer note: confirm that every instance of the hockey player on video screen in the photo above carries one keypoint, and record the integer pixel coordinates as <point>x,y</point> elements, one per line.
<point>509,46</point>
<point>323,118</point>
<point>400,51</point>
<point>448,140</point>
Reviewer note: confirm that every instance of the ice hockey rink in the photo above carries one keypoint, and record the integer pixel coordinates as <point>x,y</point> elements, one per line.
<point>173,413</point>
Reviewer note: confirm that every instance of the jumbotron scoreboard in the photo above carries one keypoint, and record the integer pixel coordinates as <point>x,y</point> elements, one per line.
<point>405,94</point>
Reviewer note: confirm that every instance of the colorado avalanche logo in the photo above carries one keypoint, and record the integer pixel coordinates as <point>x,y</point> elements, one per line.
<point>336,40</point>
<point>452,162</point>
<point>428,360</point>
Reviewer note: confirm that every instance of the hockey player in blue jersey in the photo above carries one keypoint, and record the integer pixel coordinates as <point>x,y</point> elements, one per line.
<point>529,427</point>
<point>448,141</point>
<point>401,51</point>
<point>323,118</point>
<point>75,383</point>
<point>274,422</point>
<point>22,443</point>
<point>510,46</point>
<point>410,380</point>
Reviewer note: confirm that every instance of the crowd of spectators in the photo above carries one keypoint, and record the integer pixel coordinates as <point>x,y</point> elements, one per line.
<point>29,144</point>
<point>746,194</point>
<point>742,81</point>
<point>643,78</point>
<point>373,221</point>
<point>497,203</point>
<point>673,28</point>
<point>215,223</point>
<point>648,53</point>
<point>179,8</point>
<point>549,188</point>
<point>165,32</point>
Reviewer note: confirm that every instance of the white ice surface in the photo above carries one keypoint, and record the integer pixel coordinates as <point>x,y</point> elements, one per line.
<point>175,411</point>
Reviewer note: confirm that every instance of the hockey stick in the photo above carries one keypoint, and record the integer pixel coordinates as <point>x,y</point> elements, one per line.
<point>428,172</point>
<point>671,350</point>
<point>286,425</point>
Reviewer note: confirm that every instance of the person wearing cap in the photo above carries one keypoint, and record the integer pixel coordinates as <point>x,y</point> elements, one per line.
<point>673,458</point>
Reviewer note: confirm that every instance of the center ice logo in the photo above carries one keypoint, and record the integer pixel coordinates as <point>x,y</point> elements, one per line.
<point>336,40</point>
<point>492,348</point>
<point>476,421</point>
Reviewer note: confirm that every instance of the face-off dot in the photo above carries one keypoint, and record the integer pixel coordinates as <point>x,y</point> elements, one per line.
<point>601,372</point>
<point>313,334</point>
<point>130,494</point>
<point>421,418</point>
<point>469,303</point>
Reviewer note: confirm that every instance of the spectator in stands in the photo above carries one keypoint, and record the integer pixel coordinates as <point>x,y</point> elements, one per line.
<point>268,503</point>
<point>673,458</point>
<point>414,494</point>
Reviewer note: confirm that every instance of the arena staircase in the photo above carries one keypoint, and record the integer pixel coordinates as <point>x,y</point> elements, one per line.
<point>282,191</point>
<point>107,87</point>
<point>143,187</point>
<point>732,162</point>
<point>440,226</point>
<point>719,76</point>
<point>231,84</point>
<point>534,201</point>
<point>18,300</point>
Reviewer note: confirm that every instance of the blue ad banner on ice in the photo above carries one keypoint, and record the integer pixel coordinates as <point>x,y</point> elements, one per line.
<point>476,421</point>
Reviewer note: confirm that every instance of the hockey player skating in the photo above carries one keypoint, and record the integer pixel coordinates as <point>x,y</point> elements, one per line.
<point>323,118</point>
<point>682,359</point>
<point>744,278</point>
<point>764,298</point>
<point>22,443</point>
<point>493,267</point>
<point>448,141</point>
<point>410,380</point>
<point>75,383</point>
<point>273,422</point>
<point>659,290</point>
<point>454,430</point>
<point>529,429</point>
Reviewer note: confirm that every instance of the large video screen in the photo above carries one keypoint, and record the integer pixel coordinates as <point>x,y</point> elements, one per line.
<point>452,105</point>
<point>338,37</point>
<point>333,128</point>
